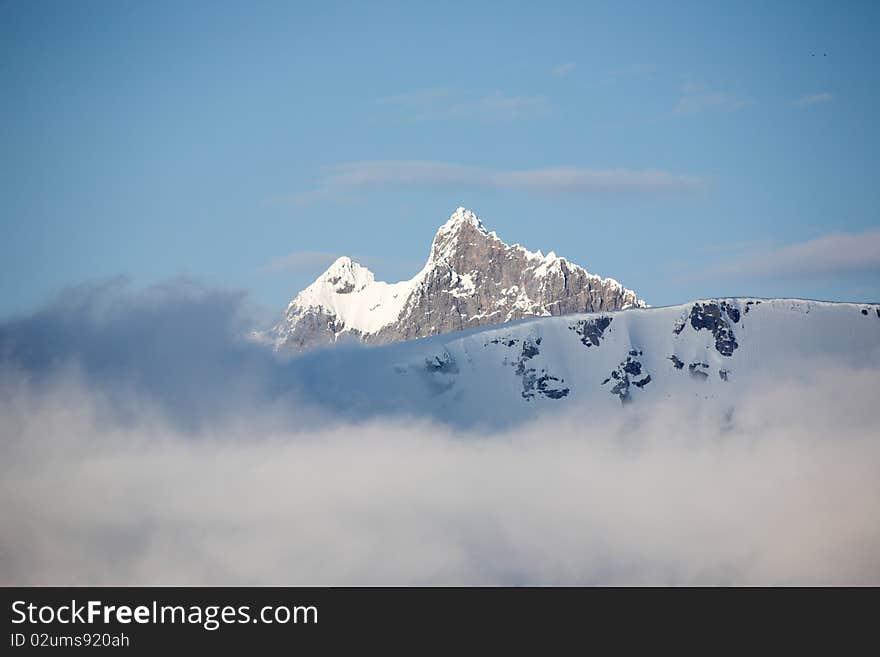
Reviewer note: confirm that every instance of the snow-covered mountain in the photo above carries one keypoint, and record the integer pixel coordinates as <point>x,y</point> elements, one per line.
<point>471,279</point>
<point>710,349</point>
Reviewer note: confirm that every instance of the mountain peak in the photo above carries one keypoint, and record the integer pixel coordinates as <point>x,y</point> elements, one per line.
<point>463,215</point>
<point>341,264</point>
<point>449,237</point>
<point>459,219</point>
<point>345,275</point>
<point>471,278</point>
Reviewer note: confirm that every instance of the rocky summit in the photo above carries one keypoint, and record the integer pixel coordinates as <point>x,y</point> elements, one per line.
<point>471,279</point>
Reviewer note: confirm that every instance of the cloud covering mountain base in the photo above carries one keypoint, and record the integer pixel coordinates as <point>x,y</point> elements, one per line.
<point>788,495</point>
<point>102,484</point>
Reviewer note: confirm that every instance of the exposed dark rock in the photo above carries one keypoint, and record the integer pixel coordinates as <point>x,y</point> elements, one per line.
<point>732,311</point>
<point>864,311</point>
<point>435,368</point>
<point>534,382</point>
<point>444,363</point>
<point>676,361</point>
<point>545,389</point>
<point>347,287</point>
<point>591,330</point>
<point>633,367</point>
<point>694,369</point>
<point>622,391</point>
<point>711,316</point>
<point>530,349</point>
<point>723,374</point>
<point>622,374</point>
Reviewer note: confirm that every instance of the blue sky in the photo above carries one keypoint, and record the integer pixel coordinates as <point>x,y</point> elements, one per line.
<point>686,149</point>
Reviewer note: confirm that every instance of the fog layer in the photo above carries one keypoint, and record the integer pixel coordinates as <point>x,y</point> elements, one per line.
<point>113,471</point>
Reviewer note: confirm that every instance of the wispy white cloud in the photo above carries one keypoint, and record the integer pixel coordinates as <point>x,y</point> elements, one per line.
<point>574,180</point>
<point>449,104</point>
<point>341,178</point>
<point>563,69</point>
<point>814,99</point>
<point>833,254</point>
<point>696,99</point>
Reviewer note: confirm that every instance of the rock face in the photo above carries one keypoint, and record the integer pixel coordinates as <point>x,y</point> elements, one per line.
<point>471,279</point>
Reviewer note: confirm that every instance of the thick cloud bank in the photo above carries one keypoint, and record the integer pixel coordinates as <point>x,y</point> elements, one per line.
<point>176,347</point>
<point>116,469</point>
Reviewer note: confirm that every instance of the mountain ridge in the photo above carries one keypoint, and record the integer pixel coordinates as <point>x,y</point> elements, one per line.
<point>471,278</point>
<point>711,350</point>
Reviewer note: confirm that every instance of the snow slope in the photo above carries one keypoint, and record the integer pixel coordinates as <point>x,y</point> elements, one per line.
<point>351,293</point>
<point>708,349</point>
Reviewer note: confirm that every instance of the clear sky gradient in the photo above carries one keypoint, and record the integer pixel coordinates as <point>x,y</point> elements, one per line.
<point>685,149</point>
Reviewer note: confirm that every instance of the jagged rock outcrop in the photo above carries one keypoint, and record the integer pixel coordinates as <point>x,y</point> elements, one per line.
<point>471,279</point>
